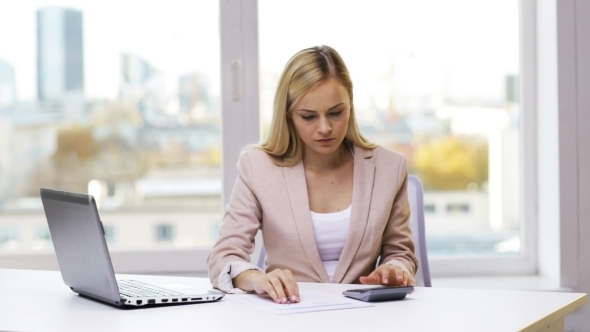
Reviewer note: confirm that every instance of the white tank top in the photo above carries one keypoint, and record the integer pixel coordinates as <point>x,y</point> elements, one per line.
<point>330,231</point>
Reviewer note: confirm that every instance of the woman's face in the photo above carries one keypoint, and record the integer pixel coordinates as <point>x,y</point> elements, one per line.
<point>321,117</point>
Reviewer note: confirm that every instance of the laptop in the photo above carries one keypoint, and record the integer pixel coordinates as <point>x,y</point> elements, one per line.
<point>85,263</point>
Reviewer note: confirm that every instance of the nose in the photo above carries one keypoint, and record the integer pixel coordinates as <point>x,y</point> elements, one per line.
<point>324,125</point>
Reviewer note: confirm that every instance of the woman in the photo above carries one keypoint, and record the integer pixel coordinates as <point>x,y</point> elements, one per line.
<point>329,203</point>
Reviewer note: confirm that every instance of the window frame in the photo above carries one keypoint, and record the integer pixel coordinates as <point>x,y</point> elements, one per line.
<point>240,125</point>
<point>524,263</point>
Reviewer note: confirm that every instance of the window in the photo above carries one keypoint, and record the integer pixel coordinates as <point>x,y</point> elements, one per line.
<point>164,233</point>
<point>133,114</point>
<point>42,240</point>
<point>8,237</point>
<point>109,233</point>
<point>429,208</point>
<point>457,208</point>
<point>439,86</point>
<point>128,111</point>
<point>42,233</point>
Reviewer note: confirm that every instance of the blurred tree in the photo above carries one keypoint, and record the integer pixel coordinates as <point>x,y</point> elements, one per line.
<point>110,115</point>
<point>75,147</point>
<point>102,150</point>
<point>117,162</point>
<point>117,157</point>
<point>75,140</point>
<point>452,163</point>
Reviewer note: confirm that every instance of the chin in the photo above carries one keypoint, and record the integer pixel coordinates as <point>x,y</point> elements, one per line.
<point>327,149</point>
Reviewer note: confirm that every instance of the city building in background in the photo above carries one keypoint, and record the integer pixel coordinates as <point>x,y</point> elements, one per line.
<point>135,71</point>
<point>7,84</point>
<point>27,143</point>
<point>195,102</point>
<point>60,55</point>
<point>143,87</point>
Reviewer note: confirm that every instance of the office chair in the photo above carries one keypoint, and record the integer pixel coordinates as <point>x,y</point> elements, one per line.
<point>417,224</point>
<point>415,198</point>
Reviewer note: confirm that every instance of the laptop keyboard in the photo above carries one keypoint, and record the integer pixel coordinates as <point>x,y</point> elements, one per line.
<point>132,288</point>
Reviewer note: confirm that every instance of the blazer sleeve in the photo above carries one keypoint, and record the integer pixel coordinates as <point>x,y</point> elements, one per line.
<point>241,222</point>
<point>398,243</point>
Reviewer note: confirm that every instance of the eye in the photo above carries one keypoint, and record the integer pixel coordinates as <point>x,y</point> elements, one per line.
<point>307,117</point>
<point>336,113</point>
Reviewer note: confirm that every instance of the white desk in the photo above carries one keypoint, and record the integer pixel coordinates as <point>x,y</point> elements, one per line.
<point>40,301</point>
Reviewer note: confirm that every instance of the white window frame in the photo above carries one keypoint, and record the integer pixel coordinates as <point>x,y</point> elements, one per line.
<point>526,262</point>
<point>240,126</point>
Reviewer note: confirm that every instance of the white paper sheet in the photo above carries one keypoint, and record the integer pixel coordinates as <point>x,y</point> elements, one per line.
<point>310,301</point>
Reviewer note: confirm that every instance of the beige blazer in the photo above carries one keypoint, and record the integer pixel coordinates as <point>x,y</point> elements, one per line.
<point>273,198</point>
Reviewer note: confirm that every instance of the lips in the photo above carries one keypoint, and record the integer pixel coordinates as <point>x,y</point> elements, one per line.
<point>325,141</point>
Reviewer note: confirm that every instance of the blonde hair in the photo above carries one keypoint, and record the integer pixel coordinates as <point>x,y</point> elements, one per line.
<point>306,70</point>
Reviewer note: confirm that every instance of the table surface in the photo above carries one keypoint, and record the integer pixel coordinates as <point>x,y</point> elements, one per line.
<point>39,300</point>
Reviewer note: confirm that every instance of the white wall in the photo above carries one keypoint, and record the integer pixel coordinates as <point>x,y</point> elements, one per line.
<point>583,150</point>
<point>563,100</point>
<point>574,110</point>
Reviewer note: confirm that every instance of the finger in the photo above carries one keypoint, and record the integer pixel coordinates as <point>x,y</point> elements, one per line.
<point>399,277</point>
<point>394,276</point>
<point>410,279</point>
<point>278,286</point>
<point>371,279</point>
<point>385,274</point>
<point>290,286</point>
<point>405,278</point>
<point>268,288</point>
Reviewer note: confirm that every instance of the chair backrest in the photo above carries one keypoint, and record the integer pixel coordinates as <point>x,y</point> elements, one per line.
<point>261,264</point>
<point>415,198</point>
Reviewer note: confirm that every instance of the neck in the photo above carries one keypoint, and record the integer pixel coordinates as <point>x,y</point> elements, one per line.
<point>320,162</point>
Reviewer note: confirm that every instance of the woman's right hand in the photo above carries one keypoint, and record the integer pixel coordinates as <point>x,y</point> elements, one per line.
<point>279,284</point>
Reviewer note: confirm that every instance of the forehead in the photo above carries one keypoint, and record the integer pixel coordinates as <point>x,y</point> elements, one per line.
<point>324,96</point>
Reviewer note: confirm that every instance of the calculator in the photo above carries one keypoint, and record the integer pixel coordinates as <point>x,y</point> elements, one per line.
<point>376,294</point>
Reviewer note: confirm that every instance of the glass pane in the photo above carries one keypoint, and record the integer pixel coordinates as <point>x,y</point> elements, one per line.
<point>118,100</point>
<point>436,81</point>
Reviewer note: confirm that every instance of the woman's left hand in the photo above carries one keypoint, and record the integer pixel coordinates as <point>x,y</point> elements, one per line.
<point>390,275</point>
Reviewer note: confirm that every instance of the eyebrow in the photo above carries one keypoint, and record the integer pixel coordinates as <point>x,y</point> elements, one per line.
<point>329,109</point>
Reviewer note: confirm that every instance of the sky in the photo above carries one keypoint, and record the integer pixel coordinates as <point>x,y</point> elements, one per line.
<point>473,43</point>
<point>177,37</point>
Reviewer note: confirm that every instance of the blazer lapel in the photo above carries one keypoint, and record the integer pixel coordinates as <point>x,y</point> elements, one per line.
<point>297,191</point>
<point>362,189</point>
